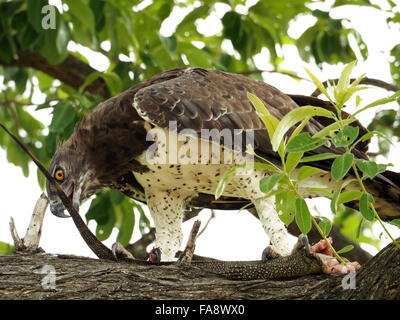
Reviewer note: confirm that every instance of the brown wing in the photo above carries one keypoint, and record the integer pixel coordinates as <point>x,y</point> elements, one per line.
<point>207,99</point>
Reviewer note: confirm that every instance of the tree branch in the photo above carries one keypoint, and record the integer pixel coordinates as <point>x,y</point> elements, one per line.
<point>72,71</point>
<point>368,81</point>
<point>293,75</point>
<point>84,278</point>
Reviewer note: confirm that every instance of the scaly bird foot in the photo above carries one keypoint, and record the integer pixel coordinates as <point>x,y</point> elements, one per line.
<point>331,265</point>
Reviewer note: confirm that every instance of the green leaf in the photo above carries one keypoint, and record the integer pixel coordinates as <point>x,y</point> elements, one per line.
<point>103,231</point>
<point>319,84</point>
<point>344,80</point>
<point>395,222</point>
<point>379,102</point>
<point>303,142</point>
<point>29,38</point>
<point>334,201</point>
<point>332,128</point>
<point>346,249</point>
<point>63,115</point>
<point>358,100</point>
<point>325,226</point>
<point>188,21</point>
<point>293,160</point>
<point>338,193</point>
<point>127,224</point>
<point>169,43</point>
<point>144,222</point>
<point>18,157</point>
<point>89,79</point>
<point>35,15</point>
<point>268,183</point>
<point>228,176</point>
<point>269,121</point>
<point>45,81</point>
<point>321,190</point>
<point>370,134</point>
<point>369,168</point>
<point>343,91</point>
<point>113,82</point>
<point>100,208</point>
<point>318,157</point>
<point>116,197</point>
<point>346,136</point>
<point>348,196</point>
<point>307,171</point>
<point>63,37</point>
<point>82,11</point>
<point>269,166</point>
<point>365,210</point>
<point>6,249</point>
<point>51,143</point>
<point>303,216</point>
<point>286,206</point>
<point>341,165</point>
<point>359,228</point>
<point>299,128</point>
<point>294,116</point>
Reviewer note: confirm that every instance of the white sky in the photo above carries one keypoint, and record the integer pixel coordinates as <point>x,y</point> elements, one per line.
<point>231,235</point>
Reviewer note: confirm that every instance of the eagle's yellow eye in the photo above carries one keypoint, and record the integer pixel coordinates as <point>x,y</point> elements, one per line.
<point>59,175</point>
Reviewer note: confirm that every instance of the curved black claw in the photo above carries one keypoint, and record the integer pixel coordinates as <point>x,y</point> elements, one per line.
<point>268,254</point>
<point>155,255</point>
<point>120,253</point>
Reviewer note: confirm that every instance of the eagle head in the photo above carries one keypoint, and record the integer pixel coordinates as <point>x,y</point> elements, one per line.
<point>69,169</point>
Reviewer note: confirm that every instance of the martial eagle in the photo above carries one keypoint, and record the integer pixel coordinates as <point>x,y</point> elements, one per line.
<point>110,148</point>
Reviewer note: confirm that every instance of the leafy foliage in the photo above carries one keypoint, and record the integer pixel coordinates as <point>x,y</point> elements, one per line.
<point>6,249</point>
<point>288,190</point>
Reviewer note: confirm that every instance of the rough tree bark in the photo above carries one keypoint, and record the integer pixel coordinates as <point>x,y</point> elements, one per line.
<point>23,274</point>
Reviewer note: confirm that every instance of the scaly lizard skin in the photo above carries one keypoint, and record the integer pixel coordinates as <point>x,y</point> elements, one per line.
<point>299,263</point>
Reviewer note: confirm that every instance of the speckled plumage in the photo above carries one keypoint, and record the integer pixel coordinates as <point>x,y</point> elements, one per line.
<point>110,143</point>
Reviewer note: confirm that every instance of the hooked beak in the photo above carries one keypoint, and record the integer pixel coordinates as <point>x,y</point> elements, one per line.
<point>57,207</point>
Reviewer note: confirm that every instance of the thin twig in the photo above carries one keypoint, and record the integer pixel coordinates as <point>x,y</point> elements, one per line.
<point>18,243</point>
<point>374,154</point>
<point>369,81</point>
<point>187,254</point>
<point>212,216</point>
<point>28,104</point>
<point>293,75</point>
